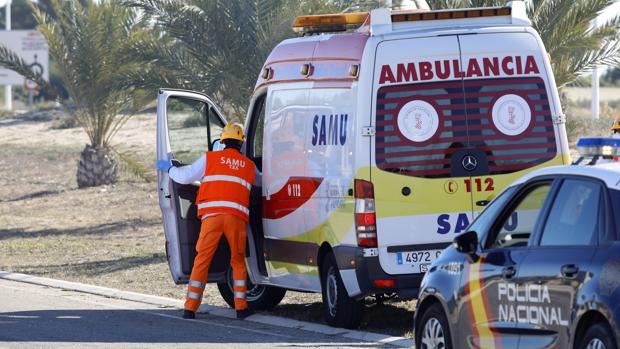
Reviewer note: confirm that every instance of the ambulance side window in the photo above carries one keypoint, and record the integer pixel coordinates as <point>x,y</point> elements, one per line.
<point>258,127</point>
<point>519,222</point>
<point>254,133</point>
<point>187,128</point>
<point>215,126</point>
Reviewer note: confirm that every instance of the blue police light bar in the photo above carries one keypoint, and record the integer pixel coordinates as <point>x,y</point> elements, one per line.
<point>604,147</point>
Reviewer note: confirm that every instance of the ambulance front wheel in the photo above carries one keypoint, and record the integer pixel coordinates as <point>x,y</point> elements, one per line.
<point>258,297</point>
<point>338,308</point>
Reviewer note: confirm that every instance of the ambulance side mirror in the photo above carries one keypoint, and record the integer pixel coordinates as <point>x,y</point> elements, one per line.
<point>467,243</point>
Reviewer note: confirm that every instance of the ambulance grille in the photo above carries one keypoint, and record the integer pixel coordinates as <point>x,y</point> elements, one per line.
<point>465,123</point>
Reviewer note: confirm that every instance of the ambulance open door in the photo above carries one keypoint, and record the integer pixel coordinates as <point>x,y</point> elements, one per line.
<point>188,124</point>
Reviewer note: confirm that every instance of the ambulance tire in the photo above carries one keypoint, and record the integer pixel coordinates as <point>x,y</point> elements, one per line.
<point>259,297</point>
<point>339,309</point>
<point>433,329</point>
<point>598,336</point>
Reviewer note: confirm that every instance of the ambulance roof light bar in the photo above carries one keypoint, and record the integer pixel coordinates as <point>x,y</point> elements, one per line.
<point>329,23</point>
<point>344,21</point>
<point>382,20</point>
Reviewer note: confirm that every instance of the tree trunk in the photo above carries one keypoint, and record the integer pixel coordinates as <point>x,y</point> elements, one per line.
<point>97,166</point>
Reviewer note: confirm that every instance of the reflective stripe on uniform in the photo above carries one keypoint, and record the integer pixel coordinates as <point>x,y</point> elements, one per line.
<point>233,179</point>
<point>239,283</point>
<point>229,204</point>
<point>239,294</point>
<point>194,295</point>
<point>196,284</point>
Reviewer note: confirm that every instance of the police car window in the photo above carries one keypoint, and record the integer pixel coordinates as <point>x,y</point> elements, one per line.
<point>518,226</point>
<point>187,128</point>
<point>485,220</point>
<point>573,219</point>
<point>215,125</point>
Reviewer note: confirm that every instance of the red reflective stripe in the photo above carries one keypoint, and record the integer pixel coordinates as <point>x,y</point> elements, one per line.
<point>296,192</point>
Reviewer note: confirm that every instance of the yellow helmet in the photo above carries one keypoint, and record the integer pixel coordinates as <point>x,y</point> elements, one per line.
<point>616,125</point>
<point>232,131</point>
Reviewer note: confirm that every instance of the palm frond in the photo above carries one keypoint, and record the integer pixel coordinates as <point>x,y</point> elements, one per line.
<point>130,164</point>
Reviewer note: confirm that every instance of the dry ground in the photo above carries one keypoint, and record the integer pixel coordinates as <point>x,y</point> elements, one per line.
<point>110,236</point>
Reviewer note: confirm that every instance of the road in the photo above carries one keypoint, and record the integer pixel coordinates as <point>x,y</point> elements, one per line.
<point>38,316</point>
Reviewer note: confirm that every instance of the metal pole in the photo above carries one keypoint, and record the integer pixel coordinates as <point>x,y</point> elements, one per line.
<point>595,86</point>
<point>8,91</point>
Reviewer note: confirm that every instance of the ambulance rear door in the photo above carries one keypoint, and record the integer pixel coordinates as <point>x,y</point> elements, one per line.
<point>510,100</point>
<point>187,124</point>
<point>420,146</point>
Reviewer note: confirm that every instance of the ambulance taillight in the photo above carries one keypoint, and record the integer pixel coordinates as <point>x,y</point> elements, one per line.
<point>365,218</point>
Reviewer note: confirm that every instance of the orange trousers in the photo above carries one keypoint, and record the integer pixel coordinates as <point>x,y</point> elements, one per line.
<point>211,231</point>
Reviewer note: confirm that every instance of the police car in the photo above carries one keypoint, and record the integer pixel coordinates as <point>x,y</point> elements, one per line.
<point>538,268</point>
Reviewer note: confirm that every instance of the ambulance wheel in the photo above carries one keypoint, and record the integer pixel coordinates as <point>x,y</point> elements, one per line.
<point>434,332</point>
<point>338,308</point>
<point>598,336</point>
<point>259,297</point>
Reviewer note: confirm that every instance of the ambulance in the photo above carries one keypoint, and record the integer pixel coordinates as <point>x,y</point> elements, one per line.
<point>377,145</point>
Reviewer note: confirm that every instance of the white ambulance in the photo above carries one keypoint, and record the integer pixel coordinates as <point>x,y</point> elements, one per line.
<point>377,146</point>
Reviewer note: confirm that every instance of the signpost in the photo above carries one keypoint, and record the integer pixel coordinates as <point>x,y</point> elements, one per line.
<point>31,46</point>
<point>8,94</point>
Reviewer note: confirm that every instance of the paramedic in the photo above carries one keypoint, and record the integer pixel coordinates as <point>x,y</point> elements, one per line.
<point>615,128</point>
<point>223,205</point>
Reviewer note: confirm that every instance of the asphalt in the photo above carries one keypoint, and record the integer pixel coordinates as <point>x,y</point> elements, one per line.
<point>35,316</point>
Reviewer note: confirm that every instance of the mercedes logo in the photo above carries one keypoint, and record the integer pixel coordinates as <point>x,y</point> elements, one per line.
<point>469,163</point>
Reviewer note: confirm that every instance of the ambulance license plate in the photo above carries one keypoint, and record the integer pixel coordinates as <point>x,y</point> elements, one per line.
<point>419,260</point>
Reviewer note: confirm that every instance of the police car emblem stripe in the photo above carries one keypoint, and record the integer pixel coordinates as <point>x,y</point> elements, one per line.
<point>478,308</point>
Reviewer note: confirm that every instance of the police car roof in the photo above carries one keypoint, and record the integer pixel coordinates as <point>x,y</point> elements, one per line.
<point>608,173</point>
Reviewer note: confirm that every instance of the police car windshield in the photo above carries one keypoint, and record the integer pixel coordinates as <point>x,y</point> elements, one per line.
<point>483,222</point>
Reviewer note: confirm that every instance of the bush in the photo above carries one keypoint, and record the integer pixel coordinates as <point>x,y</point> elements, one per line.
<point>579,121</point>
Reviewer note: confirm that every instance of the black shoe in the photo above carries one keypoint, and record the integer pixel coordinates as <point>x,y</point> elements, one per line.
<point>188,314</point>
<point>242,314</point>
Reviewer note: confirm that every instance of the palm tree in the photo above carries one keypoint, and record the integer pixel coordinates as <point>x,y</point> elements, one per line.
<point>216,46</point>
<point>92,46</point>
<point>565,27</point>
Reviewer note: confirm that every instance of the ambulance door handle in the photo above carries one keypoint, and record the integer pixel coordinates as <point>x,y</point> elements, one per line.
<point>509,272</point>
<point>569,270</point>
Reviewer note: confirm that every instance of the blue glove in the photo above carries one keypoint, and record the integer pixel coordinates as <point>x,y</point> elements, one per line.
<point>164,165</point>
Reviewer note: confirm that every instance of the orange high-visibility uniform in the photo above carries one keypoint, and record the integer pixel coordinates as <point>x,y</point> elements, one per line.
<point>223,204</point>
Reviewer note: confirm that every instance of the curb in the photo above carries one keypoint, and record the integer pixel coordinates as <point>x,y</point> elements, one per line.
<point>209,309</point>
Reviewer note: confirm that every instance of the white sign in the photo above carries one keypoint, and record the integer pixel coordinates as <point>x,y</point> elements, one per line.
<point>511,115</point>
<point>418,121</point>
<point>31,46</point>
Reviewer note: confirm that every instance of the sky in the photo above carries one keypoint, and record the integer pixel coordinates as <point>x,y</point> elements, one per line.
<point>614,10</point>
